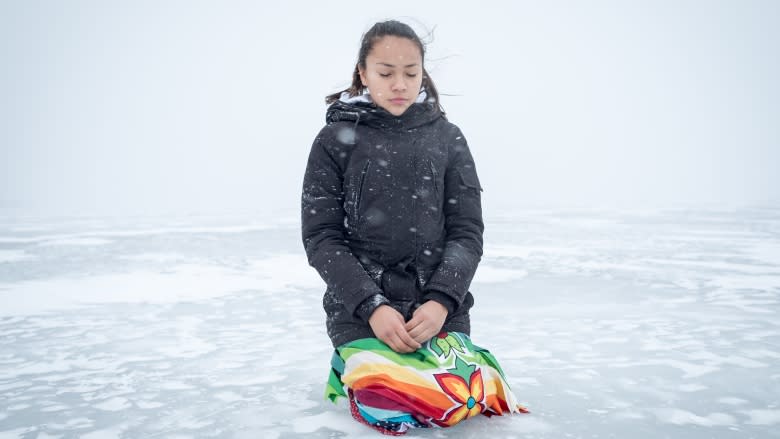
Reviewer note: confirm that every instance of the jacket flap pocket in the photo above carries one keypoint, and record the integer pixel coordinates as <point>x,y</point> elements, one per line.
<point>468,176</point>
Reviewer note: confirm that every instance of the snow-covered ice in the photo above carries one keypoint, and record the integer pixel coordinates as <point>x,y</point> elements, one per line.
<point>655,323</point>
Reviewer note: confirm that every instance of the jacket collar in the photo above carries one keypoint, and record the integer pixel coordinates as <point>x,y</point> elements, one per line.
<point>362,110</point>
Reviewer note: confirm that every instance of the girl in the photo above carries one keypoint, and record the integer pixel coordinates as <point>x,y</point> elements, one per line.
<point>392,221</point>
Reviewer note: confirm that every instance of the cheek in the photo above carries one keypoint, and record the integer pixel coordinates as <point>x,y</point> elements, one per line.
<point>368,80</point>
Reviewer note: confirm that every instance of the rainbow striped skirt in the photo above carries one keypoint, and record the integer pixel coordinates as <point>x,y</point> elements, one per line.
<point>447,380</point>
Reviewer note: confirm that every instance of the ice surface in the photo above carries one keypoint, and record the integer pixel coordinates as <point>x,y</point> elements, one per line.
<point>7,256</point>
<point>607,323</point>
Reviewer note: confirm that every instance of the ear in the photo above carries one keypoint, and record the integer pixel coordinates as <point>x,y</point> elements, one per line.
<point>362,73</point>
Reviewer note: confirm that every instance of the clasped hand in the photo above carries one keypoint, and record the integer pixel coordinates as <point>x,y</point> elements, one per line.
<point>404,337</point>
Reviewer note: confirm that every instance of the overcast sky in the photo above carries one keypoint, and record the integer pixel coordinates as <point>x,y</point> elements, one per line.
<point>135,107</point>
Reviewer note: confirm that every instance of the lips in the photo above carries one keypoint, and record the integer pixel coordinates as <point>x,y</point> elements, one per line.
<point>399,101</point>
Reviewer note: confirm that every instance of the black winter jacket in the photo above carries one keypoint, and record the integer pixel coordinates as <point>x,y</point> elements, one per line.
<point>391,214</point>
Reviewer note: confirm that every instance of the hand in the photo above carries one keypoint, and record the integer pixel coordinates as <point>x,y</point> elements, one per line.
<point>388,326</point>
<point>426,321</point>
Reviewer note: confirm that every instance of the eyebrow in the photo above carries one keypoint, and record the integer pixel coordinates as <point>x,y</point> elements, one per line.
<point>392,65</point>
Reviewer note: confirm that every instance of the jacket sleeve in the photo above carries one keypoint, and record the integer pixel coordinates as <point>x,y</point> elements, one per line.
<point>322,224</point>
<point>463,225</point>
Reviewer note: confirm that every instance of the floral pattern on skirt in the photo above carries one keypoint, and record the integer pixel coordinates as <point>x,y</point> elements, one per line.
<point>447,380</point>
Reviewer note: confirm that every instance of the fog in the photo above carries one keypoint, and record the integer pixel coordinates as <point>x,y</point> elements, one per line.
<point>179,107</point>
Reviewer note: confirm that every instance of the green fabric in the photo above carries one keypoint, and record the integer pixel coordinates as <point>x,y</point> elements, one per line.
<point>434,354</point>
<point>490,359</point>
<point>335,388</point>
<point>419,359</point>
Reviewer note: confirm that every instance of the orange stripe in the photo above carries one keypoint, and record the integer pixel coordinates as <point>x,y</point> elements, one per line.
<point>399,373</point>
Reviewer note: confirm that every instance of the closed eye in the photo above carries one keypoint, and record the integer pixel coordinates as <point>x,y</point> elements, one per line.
<point>387,75</point>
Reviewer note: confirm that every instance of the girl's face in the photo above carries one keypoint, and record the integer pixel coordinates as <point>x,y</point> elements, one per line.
<point>393,73</point>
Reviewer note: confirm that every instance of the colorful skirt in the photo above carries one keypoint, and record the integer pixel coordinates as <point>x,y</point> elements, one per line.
<point>447,380</point>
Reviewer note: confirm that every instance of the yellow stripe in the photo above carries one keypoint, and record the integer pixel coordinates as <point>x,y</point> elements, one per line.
<point>399,373</point>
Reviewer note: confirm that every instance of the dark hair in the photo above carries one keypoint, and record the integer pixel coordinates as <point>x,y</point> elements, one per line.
<point>379,30</point>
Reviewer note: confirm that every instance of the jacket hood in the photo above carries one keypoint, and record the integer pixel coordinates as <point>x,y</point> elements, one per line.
<point>362,110</point>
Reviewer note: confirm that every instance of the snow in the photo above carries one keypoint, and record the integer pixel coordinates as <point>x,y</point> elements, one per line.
<point>763,417</point>
<point>177,282</point>
<point>113,404</point>
<point>87,242</point>
<point>682,417</point>
<point>7,256</point>
<point>657,323</point>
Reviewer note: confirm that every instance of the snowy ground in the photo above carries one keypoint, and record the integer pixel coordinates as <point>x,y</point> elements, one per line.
<point>608,324</point>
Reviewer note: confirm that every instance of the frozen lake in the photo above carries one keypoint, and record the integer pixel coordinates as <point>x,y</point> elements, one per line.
<point>609,324</point>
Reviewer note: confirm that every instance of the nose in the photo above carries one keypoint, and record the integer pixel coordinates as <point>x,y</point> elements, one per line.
<point>399,84</point>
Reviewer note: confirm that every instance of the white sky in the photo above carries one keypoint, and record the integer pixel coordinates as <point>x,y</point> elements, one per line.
<point>114,108</point>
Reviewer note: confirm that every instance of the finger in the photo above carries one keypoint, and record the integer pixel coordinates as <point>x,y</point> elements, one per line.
<point>421,338</point>
<point>418,332</point>
<point>394,341</point>
<point>388,342</point>
<point>425,336</point>
<point>400,342</point>
<point>396,345</point>
<point>411,324</point>
<point>391,343</point>
<point>419,316</point>
<point>407,340</point>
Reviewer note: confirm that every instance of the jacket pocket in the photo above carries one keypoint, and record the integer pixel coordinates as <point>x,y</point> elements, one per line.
<point>468,178</point>
<point>435,178</point>
<point>359,189</point>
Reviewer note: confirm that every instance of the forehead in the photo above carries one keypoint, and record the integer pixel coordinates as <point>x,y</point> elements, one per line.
<point>392,50</point>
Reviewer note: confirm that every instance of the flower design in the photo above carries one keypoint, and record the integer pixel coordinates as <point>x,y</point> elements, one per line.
<point>444,343</point>
<point>467,396</point>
